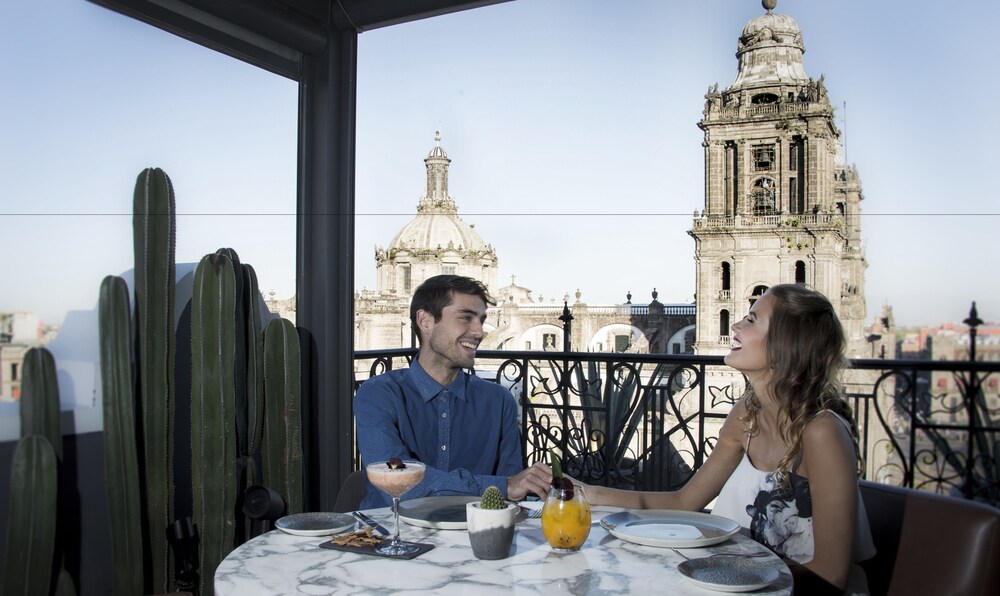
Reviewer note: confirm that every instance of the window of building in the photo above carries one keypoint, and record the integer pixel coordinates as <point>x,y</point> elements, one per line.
<point>527,345</point>
<point>675,348</point>
<point>724,323</point>
<point>800,272</point>
<point>763,196</point>
<point>763,158</point>
<point>725,277</point>
<point>448,269</point>
<point>764,98</point>
<point>794,196</point>
<point>757,293</point>
<point>622,342</point>
<point>793,155</point>
<point>404,272</point>
<point>548,341</point>
<point>13,371</point>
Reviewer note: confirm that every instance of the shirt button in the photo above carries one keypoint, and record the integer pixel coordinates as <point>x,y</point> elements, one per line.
<point>444,447</point>
<point>445,415</point>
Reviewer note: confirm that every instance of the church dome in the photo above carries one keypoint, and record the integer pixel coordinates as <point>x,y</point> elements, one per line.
<point>770,51</point>
<point>429,231</point>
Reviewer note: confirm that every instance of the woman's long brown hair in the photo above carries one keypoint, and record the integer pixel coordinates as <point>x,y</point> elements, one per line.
<point>805,349</point>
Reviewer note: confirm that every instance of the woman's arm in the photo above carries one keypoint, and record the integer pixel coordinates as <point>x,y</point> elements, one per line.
<point>829,462</point>
<point>702,488</point>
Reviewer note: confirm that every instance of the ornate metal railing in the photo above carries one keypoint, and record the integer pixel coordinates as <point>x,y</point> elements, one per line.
<point>648,421</point>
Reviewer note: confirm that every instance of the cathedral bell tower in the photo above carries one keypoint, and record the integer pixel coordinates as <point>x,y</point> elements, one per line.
<point>780,204</point>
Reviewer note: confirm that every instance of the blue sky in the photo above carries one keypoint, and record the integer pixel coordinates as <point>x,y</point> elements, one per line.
<point>571,125</point>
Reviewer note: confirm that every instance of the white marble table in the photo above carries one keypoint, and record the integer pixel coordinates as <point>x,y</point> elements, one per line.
<point>279,563</point>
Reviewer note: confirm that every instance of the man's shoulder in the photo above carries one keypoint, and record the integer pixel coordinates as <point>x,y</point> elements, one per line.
<point>390,380</point>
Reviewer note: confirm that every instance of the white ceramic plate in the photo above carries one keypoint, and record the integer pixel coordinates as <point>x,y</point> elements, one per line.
<point>729,573</point>
<point>315,524</point>
<point>671,529</point>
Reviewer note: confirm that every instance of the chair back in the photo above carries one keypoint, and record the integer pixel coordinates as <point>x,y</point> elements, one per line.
<point>929,543</point>
<point>352,492</point>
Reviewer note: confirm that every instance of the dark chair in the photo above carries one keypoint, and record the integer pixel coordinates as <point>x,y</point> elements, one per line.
<point>351,492</point>
<point>929,543</point>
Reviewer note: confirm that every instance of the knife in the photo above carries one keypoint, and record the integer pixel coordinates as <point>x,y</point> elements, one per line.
<point>370,522</point>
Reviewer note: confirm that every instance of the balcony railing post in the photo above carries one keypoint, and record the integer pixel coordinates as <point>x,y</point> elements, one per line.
<point>567,319</point>
<point>971,401</point>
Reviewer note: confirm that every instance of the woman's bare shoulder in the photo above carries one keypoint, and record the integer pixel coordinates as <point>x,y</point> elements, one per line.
<point>826,429</point>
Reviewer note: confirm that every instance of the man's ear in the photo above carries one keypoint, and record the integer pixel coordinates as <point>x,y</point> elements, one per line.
<point>425,320</point>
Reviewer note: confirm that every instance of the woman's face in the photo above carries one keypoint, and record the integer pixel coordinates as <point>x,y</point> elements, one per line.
<point>749,341</point>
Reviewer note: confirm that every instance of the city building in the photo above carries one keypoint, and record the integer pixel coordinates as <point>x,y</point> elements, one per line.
<point>780,204</point>
<point>438,241</point>
<point>19,332</point>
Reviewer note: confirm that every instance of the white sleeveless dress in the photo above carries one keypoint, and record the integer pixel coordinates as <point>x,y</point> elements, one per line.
<point>783,522</point>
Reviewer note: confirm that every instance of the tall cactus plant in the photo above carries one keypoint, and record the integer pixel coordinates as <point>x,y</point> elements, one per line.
<point>31,542</point>
<point>31,533</point>
<point>213,434</point>
<point>120,455</point>
<point>282,447</point>
<point>154,237</point>
<point>40,402</point>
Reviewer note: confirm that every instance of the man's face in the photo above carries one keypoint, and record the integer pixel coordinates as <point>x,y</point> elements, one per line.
<point>451,342</point>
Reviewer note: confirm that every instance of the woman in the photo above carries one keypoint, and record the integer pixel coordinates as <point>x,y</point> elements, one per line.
<point>785,464</point>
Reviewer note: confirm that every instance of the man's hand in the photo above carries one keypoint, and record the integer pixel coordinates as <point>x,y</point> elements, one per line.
<point>537,479</point>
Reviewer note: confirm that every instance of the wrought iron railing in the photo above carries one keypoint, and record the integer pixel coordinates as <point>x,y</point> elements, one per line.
<point>648,421</point>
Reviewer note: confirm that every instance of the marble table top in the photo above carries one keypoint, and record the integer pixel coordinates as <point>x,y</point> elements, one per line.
<point>280,563</point>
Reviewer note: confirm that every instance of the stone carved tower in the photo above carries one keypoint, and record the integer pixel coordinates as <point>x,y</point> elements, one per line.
<point>436,241</point>
<point>780,205</point>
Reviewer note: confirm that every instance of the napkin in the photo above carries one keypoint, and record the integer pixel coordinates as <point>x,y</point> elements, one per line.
<point>369,549</point>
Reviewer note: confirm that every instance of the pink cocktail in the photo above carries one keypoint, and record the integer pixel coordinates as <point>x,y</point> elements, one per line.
<point>395,477</point>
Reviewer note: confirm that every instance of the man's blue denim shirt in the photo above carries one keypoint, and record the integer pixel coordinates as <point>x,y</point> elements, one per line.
<point>466,433</point>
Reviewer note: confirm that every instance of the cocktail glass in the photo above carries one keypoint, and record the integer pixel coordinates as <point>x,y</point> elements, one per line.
<point>566,519</point>
<point>395,482</point>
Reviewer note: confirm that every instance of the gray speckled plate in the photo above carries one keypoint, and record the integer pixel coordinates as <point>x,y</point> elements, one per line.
<point>726,573</point>
<point>315,524</point>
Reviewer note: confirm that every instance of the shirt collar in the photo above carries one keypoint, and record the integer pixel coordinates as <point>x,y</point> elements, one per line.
<point>429,388</point>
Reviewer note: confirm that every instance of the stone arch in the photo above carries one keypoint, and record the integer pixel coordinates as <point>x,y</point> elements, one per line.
<point>605,337</point>
<point>538,336</point>
<point>684,337</point>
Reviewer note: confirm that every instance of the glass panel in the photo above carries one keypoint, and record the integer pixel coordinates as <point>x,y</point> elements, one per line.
<point>100,97</point>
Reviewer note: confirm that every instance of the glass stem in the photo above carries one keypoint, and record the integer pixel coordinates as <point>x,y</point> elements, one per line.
<point>395,514</point>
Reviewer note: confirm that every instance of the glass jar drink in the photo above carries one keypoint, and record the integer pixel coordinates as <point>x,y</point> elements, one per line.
<point>566,519</point>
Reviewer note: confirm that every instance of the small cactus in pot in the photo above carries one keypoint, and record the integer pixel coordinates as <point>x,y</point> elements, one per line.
<point>492,499</point>
<point>491,525</point>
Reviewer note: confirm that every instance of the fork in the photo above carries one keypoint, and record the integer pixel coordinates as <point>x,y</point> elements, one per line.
<point>758,553</point>
<point>534,513</point>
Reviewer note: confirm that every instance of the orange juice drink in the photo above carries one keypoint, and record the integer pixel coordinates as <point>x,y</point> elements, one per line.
<point>566,524</point>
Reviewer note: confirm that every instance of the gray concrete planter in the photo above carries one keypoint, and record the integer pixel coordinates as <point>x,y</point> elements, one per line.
<point>491,531</point>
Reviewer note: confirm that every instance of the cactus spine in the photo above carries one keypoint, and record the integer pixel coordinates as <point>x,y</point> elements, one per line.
<point>154,229</point>
<point>120,455</point>
<point>31,535</point>
<point>213,436</point>
<point>282,448</point>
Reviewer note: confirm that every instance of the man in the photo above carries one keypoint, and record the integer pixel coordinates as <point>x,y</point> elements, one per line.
<point>463,428</point>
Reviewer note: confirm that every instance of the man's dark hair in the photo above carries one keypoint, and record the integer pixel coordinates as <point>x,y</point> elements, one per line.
<point>436,293</point>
